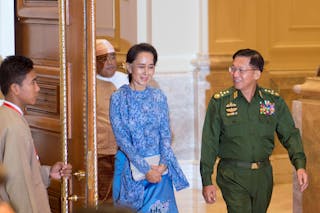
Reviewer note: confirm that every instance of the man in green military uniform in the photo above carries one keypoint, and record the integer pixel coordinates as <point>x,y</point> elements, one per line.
<point>239,129</point>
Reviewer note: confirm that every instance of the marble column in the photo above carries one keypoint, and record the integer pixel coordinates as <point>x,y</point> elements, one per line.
<point>201,85</point>
<point>306,112</point>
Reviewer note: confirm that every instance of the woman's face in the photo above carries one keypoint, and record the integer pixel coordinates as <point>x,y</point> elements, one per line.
<point>142,70</point>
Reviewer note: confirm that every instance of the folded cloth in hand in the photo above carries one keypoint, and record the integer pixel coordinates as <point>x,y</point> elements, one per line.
<point>152,160</point>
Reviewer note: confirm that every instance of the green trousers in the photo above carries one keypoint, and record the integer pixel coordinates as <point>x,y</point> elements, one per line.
<point>245,190</point>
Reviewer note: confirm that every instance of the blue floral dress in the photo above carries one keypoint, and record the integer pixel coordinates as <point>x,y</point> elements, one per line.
<point>140,122</point>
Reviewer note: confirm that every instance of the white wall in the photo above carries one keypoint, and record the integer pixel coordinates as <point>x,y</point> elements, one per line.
<point>175,33</point>
<point>6,28</point>
<point>178,30</point>
<point>173,28</point>
<point>128,22</point>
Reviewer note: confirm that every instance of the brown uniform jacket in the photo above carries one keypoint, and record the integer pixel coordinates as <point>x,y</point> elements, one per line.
<point>106,143</point>
<point>27,180</point>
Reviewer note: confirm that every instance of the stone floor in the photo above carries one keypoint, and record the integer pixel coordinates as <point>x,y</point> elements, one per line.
<point>191,201</point>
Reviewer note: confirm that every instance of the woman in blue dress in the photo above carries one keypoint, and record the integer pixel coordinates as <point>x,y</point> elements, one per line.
<point>139,117</point>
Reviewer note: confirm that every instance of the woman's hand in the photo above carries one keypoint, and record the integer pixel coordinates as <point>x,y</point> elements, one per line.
<point>161,168</point>
<point>153,175</point>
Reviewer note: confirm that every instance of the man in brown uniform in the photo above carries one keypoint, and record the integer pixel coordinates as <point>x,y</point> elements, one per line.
<point>26,182</point>
<point>108,80</point>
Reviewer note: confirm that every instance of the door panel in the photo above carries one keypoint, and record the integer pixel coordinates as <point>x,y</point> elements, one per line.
<point>62,120</point>
<point>75,67</point>
<point>37,37</point>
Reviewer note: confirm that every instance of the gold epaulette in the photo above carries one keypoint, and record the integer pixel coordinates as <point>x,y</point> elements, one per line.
<point>221,94</point>
<point>270,91</point>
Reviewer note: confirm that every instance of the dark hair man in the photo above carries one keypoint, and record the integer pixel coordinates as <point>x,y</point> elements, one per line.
<point>27,180</point>
<point>239,129</point>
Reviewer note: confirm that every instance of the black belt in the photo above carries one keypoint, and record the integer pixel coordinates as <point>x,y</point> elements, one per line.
<point>246,165</point>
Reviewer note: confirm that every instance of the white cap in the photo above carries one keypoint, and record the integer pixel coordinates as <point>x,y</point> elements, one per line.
<point>103,47</point>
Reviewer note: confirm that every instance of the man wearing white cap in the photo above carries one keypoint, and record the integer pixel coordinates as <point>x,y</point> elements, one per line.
<point>108,80</point>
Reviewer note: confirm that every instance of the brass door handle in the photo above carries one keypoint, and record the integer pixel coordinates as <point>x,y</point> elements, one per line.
<point>80,174</point>
<point>74,198</point>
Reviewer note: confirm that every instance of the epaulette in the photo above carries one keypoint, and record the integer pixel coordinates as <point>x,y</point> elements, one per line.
<point>222,93</point>
<point>270,91</point>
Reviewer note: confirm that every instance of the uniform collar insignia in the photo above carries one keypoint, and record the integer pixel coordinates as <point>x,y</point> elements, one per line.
<point>235,94</point>
<point>260,94</point>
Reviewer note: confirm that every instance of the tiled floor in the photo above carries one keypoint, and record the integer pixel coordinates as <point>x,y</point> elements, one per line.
<point>190,200</point>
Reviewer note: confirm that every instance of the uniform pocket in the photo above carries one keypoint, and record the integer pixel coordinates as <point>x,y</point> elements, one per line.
<point>232,127</point>
<point>267,125</point>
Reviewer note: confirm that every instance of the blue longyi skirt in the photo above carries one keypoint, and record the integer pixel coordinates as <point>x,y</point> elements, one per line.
<point>158,197</point>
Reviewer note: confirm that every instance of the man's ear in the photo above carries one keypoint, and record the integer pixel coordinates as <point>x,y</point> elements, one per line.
<point>257,75</point>
<point>15,88</point>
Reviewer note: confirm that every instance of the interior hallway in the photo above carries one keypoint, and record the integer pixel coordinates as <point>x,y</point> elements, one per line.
<point>191,201</point>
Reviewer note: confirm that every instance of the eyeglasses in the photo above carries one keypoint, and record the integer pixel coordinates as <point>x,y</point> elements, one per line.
<point>241,70</point>
<point>105,57</point>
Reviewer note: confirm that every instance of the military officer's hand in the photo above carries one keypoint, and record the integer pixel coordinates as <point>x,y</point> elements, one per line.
<point>302,179</point>
<point>209,193</point>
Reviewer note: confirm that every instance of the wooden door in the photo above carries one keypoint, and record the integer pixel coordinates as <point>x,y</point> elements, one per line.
<point>77,52</point>
<point>57,36</point>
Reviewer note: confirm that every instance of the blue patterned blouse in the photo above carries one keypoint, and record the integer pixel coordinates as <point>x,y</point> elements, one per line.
<point>140,122</point>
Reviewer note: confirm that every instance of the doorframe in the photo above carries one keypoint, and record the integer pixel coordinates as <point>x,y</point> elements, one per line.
<point>63,101</point>
<point>92,164</point>
<point>89,106</point>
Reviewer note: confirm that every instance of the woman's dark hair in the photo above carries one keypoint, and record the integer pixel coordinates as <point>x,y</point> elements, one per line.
<point>134,51</point>
<point>256,59</point>
<point>13,69</point>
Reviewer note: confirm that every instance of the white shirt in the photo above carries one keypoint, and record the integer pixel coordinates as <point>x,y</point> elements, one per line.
<point>118,79</point>
<point>13,106</point>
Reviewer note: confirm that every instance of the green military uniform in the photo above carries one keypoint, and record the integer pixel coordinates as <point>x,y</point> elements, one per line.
<point>239,133</point>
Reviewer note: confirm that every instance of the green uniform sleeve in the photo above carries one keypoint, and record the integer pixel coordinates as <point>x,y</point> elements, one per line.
<point>210,142</point>
<point>289,136</point>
